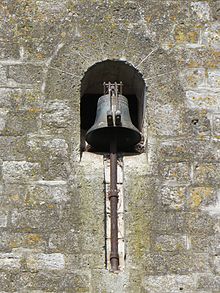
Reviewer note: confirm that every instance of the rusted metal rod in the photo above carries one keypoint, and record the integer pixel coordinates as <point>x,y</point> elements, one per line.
<point>113,197</point>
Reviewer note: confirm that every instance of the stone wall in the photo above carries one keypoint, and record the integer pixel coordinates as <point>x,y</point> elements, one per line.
<point>52,199</point>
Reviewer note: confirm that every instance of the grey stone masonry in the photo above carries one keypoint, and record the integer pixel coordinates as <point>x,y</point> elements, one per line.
<point>52,192</point>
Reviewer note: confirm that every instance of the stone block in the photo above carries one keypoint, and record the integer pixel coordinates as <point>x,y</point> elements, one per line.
<point>209,282</point>
<point>202,58</point>
<point>14,194</point>
<point>211,36</point>
<point>27,99</point>
<point>9,50</point>
<point>79,282</point>
<point>190,150</point>
<point>186,35</point>
<point>168,222</point>
<point>49,192</point>
<point>176,263</point>
<point>3,74</point>
<point>172,197</point>
<point>170,283</point>
<point>216,125</point>
<point>40,145</point>
<point>3,117</point>
<point>10,261</point>
<point>202,100</point>
<point>198,124</point>
<point>57,114</point>
<point>139,191</point>
<point>114,283</point>
<point>200,224</point>
<point>61,85</point>
<point>3,219</point>
<point>25,73</point>
<point>42,261</point>
<point>170,243</point>
<point>6,281</point>
<point>215,10</point>
<point>201,9</point>
<point>175,172</point>
<point>53,154</point>
<point>84,261</point>
<point>193,78</point>
<point>5,97</point>
<point>48,218</point>
<point>208,151</point>
<point>166,120</point>
<point>173,150</point>
<point>208,244</point>
<point>207,174</point>
<point>201,196</point>
<point>67,243</point>
<point>20,123</point>
<point>39,281</point>
<point>30,220</point>
<point>20,171</point>
<point>217,264</point>
<point>12,241</point>
<point>213,79</point>
<point>213,209</point>
<point>12,148</point>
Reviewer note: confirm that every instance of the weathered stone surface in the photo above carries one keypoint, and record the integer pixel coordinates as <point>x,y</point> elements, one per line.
<point>54,261</point>
<point>201,196</point>
<point>20,123</point>
<point>9,50</point>
<point>12,148</point>
<point>47,219</point>
<point>171,243</point>
<point>10,261</point>
<point>209,243</point>
<point>207,173</point>
<point>68,243</point>
<point>209,282</point>
<point>10,241</point>
<point>172,197</point>
<point>54,192</point>
<point>3,74</point>
<point>52,212</point>
<point>211,36</point>
<point>169,222</point>
<point>25,73</point>
<point>202,100</point>
<point>3,117</point>
<point>57,114</point>
<point>3,219</point>
<point>193,78</point>
<point>20,171</point>
<point>169,262</point>
<point>175,172</point>
<point>170,283</point>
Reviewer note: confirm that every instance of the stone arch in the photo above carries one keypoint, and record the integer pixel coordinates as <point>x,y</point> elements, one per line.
<point>158,70</point>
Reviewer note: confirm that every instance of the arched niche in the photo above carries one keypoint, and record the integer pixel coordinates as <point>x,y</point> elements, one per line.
<point>92,88</point>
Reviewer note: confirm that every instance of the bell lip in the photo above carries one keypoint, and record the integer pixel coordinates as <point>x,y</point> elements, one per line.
<point>133,138</point>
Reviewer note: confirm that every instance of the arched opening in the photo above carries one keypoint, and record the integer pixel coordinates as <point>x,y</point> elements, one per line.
<point>92,90</point>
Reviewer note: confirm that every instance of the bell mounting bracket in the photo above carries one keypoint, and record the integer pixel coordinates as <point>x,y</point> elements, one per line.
<point>114,113</point>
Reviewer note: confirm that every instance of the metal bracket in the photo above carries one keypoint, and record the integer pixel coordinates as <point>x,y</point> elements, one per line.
<point>114,113</point>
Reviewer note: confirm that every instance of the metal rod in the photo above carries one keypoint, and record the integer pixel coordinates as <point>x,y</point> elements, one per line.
<point>113,197</point>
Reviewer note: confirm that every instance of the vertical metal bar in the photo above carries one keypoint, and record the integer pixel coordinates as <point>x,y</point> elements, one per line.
<point>113,196</point>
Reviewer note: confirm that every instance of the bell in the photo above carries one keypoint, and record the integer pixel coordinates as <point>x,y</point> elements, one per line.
<point>111,125</point>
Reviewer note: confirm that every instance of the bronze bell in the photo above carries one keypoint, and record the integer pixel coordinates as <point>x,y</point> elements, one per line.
<point>113,121</point>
